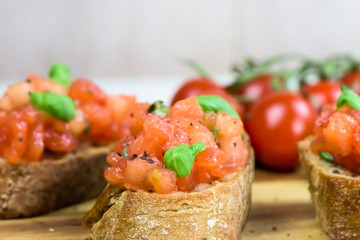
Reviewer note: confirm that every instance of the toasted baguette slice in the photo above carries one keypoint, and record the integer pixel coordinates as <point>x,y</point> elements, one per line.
<point>218,211</point>
<point>34,188</point>
<point>335,193</point>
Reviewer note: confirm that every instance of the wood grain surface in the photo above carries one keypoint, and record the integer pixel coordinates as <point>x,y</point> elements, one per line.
<point>281,209</point>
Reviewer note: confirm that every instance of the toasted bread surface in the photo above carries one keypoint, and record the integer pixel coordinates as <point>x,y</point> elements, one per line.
<point>335,193</point>
<point>217,212</point>
<point>33,188</point>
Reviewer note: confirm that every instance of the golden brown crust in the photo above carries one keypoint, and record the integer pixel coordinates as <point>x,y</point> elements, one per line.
<point>218,212</point>
<point>34,188</point>
<point>335,193</point>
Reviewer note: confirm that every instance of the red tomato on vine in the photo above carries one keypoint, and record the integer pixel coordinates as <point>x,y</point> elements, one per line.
<point>276,123</point>
<point>324,92</point>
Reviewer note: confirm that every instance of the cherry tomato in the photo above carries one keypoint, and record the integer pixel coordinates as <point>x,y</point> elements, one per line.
<point>254,90</point>
<point>275,125</point>
<point>321,93</point>
<point>352,80</point>
<point>86,91</point>
<point>204,86</point>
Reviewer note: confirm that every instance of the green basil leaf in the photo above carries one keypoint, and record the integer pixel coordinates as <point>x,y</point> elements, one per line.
<point>212,103</point>
<point>60,106</point>
<point>158,108</point>
<point>181,158</point>
<point>337,66</point>
<point>60,73</point>
<point>326,156</point>
<point>349,97</point>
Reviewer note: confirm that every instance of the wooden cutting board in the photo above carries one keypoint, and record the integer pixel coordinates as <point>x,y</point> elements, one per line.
<point>281,209</point>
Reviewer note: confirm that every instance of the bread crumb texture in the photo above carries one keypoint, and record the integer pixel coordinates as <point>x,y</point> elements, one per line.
<point>217,212</point>
<point>34,188</point>
<point>335,193</point>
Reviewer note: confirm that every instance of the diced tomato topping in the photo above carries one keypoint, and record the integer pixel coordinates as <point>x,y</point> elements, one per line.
<point>26,132</point>
<point>222,135</point>
<point>186,184</point>
<point>16,96</point>
<point>35,144</point>
<point>187,108</point>
<point>16,137</point>
<point>163,180</point>
<point>156,132</point>
<point>59,142</point>
<point>338,133</point>
<point>41,84</point>
<point>85,91</point>
<point>98,117</point>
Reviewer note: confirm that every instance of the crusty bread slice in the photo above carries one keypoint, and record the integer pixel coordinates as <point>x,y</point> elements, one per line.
<point>218,211</point>
<point>335,193</point>
<point>34,188</point>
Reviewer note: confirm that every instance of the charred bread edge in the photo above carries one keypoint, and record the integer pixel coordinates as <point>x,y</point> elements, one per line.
<point>34,188</point>
<point>218,212</point>
<point>335,193</point>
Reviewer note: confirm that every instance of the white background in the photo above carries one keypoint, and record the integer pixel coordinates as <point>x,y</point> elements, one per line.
<point>115,41</point>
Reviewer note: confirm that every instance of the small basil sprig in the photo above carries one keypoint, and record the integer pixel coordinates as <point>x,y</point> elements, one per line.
<point>60,106</point>
<point>181,158</point>
<point>253,70</point>
<point>197,67</point>
<point>349,97</point>
<point>158,108</point>
<point>60,73</point>
<point>337,66</point>
<point>212,103</point>
<point>326,156</point>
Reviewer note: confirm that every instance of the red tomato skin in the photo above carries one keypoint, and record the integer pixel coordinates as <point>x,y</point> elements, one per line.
<point>276,123</point>
<point>257,88</point>
<point>352,80</point>
<point>324,92</point>
<point>84,90</point>
<point>204,86</point>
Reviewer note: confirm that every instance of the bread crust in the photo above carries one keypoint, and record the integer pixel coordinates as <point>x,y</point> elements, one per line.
<point>218,212</point>
<point>335,193</point>
<point>34,188</point>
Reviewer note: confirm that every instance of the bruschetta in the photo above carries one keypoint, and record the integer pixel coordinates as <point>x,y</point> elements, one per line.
<point>186,175</point>
<point>332,161</point>
<point>54,137</point>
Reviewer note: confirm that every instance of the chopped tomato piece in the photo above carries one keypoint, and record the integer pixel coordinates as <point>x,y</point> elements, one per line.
<point>59,142</point>
<point>35,144</point>
<point>41,84</point>
<point>186,184</point>
<point>187,108</point>
<point>16,96</point>
<point>85,91</point>
<point>338,133</point>
<point>16,137</point>
<point>163,180</point>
